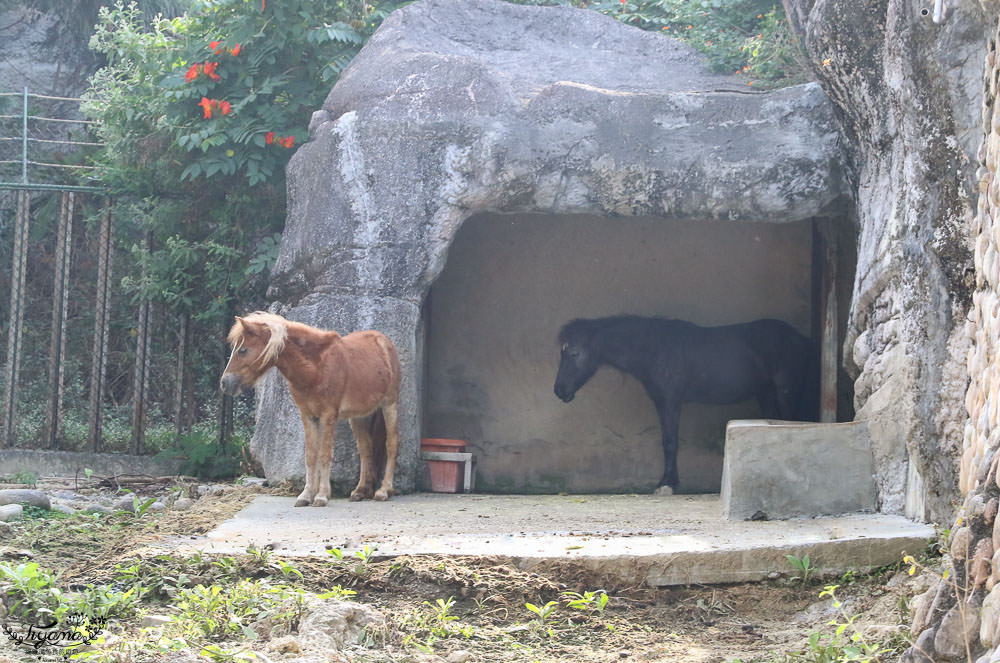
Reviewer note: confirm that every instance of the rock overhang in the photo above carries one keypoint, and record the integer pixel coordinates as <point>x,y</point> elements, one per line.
<point>458,107</point>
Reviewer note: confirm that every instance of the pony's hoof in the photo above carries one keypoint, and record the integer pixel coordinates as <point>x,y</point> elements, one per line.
<point>302,502</point>
<point>359,495</point>
<point>664,490</point>
<point>319,501</point>
<point>382,495</point>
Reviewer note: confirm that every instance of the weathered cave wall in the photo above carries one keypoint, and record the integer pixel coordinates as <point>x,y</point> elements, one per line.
<point>458,107</point>
<point>511,280</point>
<point>906,91</point>
<point>925,317</point>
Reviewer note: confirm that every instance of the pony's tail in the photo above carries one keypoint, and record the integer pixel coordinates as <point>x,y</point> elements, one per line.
<point>376,428</point>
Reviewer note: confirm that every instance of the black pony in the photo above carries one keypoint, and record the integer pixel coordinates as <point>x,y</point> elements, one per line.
<point>679,362</point>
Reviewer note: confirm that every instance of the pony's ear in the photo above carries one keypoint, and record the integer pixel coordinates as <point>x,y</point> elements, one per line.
<point>249,329</point>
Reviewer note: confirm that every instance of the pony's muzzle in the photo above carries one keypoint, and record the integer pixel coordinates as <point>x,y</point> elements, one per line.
<point>231,384</point>
<point>564,395</point>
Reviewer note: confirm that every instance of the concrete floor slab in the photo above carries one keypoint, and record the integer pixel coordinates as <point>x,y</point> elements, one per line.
<point>657,540</point>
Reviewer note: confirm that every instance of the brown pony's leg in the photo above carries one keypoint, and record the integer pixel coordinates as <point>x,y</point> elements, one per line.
<point>311,425</point>
<point>391,450</point>
<point>324,458</point>
<point>366,452</point>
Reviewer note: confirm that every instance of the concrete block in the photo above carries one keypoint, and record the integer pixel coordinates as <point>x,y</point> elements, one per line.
<point>784,469</point>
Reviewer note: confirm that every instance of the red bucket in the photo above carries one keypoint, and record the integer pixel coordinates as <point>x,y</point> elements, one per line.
<point>447,476</point>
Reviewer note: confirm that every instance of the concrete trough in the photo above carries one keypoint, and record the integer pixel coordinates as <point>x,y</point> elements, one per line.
<point>656,540</point>
<point>787,469</point>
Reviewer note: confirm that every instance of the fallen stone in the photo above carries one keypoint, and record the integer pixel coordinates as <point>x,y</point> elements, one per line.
<point>35,498</point>
<point>458,656</point>
<point>183,503</point>
<point>11,512</point>
<point>285,645</point>
<point>152,621</point>
<point>64,509</point>
<point>98,508</point>
<point>330,624</point>
<point>125,503</point>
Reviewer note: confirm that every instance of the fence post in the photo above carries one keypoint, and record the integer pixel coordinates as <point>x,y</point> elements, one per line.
<point>140,384</point>
<point>183,334</point>
<point>15,326</point>
<point>60,304</point>
<point>102,310</point>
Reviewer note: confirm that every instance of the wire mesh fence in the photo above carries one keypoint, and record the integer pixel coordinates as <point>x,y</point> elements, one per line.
<point>86,365</point>
<point>45,143</point>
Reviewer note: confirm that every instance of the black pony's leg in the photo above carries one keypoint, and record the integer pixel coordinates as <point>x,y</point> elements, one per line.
<point>669,412</point>
<point>769,399</point>
<point>785,399</point>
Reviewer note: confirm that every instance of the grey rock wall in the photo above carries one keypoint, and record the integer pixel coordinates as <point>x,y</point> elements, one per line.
<point>907,93</point>
<point>462,106</point>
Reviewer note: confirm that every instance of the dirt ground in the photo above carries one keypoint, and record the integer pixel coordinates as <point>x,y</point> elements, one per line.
<point>477,609</point>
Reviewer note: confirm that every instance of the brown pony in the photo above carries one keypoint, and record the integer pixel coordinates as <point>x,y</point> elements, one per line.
<point>331,377</point>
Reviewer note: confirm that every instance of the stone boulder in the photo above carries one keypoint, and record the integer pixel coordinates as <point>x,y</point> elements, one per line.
<point>456,107</point>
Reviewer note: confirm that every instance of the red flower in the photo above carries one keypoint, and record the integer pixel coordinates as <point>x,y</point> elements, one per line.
<point>269,138</point>
<point>209,69</point>
<point>225,107</point>
<point>289,142</point>
<point>206,104</point>
<point>192,73</point>
<point>214,45</point>
<point>236,50</point>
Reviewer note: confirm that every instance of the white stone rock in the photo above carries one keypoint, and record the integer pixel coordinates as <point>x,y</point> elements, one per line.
<point>330,624</point>
<point>11,512</point>
<point>25,496</point>
<point>152,621</point>
<point>990,618</point>
<point>959,626</point>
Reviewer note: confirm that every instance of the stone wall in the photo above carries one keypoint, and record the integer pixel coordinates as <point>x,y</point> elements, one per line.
<point>905,89</point>
<point>964,609</point>
<point>461,107</point>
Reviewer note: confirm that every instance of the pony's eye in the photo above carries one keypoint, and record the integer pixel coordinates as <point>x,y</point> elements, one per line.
<point>241,351</point>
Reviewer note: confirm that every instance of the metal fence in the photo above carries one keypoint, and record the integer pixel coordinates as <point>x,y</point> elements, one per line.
<point>43,148</point>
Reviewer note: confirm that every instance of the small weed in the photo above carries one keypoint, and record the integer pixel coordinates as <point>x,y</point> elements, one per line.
<point>543,614</point>
<point>32,589</point>
<point>339,593</point>
<point>802,565</point>
<point>357,570</point>
<point>214,613</point>
<point>594,601</point>
<point>261,556</point>
<point>847,643</point>
<point>432,622</point>
<point>27,478</point>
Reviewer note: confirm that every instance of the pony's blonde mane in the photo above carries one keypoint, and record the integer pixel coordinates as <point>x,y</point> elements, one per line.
<point>277,325</point>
